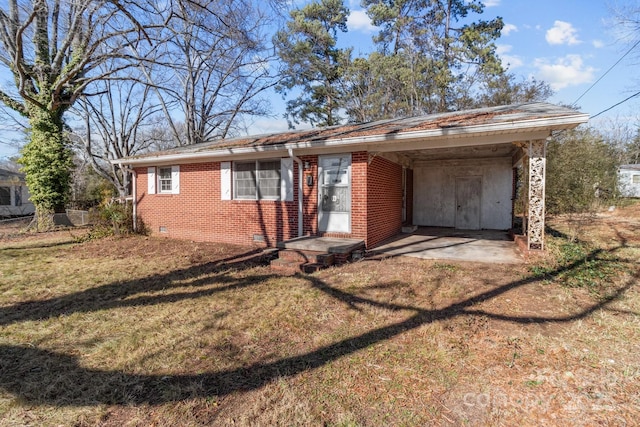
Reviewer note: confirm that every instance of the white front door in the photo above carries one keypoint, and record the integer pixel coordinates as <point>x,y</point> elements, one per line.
<point>468,202</point>
<point>334,193</point>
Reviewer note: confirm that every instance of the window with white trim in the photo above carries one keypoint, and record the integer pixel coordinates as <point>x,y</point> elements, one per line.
<point>164,180</point>
<point>259,179</point>
<point>636,179</point>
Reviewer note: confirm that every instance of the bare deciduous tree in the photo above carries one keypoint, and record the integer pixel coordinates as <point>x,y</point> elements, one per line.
<point>119,119</point>
<point>54,49</point>
<point>213,62</point>
<point>205,64</point>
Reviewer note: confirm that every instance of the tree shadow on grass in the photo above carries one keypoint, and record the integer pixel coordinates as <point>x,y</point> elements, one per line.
<point>198,278</point>
<point>38,245</point>
<point>39,376</point>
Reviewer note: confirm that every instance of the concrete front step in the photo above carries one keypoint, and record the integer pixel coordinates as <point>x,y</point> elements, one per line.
<point>310,254</point>
<point>332,245</point>
<point>311,257</point>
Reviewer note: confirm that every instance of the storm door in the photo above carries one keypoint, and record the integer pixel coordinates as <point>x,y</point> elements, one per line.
<point>334,193</point>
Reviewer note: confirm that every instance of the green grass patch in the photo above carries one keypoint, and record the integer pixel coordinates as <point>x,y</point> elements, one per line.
<point>580,265</point>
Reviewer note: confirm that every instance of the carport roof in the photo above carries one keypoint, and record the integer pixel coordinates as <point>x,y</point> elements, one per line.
<point>525,120</point>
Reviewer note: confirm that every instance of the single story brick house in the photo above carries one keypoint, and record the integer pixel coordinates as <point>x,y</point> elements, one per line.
<point>14,195</point>
<point>362,181</point>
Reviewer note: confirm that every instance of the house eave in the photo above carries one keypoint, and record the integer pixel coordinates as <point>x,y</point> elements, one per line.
<point>521,130</point>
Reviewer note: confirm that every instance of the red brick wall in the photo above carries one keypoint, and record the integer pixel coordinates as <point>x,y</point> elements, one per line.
<point>384,200</point>
<point>359,194</point>
<point>199,214</point>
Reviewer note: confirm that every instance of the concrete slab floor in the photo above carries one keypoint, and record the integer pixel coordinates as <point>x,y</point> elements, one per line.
<point>451,244</point>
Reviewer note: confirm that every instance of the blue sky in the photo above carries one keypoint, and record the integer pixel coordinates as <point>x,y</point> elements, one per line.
<point>567,43</point>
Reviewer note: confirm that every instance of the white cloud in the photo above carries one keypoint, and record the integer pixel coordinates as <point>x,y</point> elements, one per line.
<point>359,21</point>
<point>491,3</point>
<point>508,29</point>
<point>598,44</point>
<point>562,33</point>
<point>567,71</point>
<point>508,61</point>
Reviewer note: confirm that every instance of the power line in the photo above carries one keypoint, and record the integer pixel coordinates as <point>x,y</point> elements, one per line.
<point>615,105</point>
<point>607,72</point>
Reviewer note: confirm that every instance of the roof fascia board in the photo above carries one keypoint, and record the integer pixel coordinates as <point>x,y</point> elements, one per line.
<point>203,157</point>
<point>467,141</point>
<point>463,136</point>
<point>426,144</point>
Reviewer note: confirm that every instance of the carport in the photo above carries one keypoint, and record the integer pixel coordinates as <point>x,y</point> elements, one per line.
<point>469,171</point>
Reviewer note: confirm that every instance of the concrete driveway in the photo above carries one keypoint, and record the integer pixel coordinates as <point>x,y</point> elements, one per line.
<point>451,244</point>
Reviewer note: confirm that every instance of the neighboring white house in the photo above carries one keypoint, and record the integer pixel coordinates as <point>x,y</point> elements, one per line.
<point>14,195</point>
<point>629,179</point>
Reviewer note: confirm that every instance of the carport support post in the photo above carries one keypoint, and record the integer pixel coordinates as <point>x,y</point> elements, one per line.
<point>537,169</point>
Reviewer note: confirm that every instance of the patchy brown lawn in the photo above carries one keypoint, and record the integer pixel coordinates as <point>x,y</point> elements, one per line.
<point>143,331</point>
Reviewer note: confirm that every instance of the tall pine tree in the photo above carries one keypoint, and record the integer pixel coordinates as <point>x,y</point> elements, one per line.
<point>432,54</point>
<point>313,64</point>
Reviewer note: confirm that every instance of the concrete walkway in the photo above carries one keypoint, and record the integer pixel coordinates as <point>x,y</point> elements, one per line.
<point>451,244</point>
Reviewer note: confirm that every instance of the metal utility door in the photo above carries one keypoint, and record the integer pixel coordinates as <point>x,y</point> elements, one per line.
<point>468,202</point>
<point>334,193</point>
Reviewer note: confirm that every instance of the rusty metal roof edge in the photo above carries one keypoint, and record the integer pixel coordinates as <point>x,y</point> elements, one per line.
<point>515,126</point>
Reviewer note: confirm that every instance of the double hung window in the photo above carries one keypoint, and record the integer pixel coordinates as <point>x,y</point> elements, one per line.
<point>164,180</point>
<point>258,179</point>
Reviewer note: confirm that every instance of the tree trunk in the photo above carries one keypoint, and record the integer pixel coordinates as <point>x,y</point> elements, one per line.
<point>47,164</point>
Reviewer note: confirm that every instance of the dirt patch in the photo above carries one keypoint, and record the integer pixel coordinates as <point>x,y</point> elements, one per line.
<point>160,248</point>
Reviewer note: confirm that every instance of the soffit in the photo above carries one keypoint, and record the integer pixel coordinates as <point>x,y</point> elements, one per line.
<point>471,152</point>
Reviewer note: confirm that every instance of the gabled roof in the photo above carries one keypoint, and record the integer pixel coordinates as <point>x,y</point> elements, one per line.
<point>529,120</point>
<point>7,175</point>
